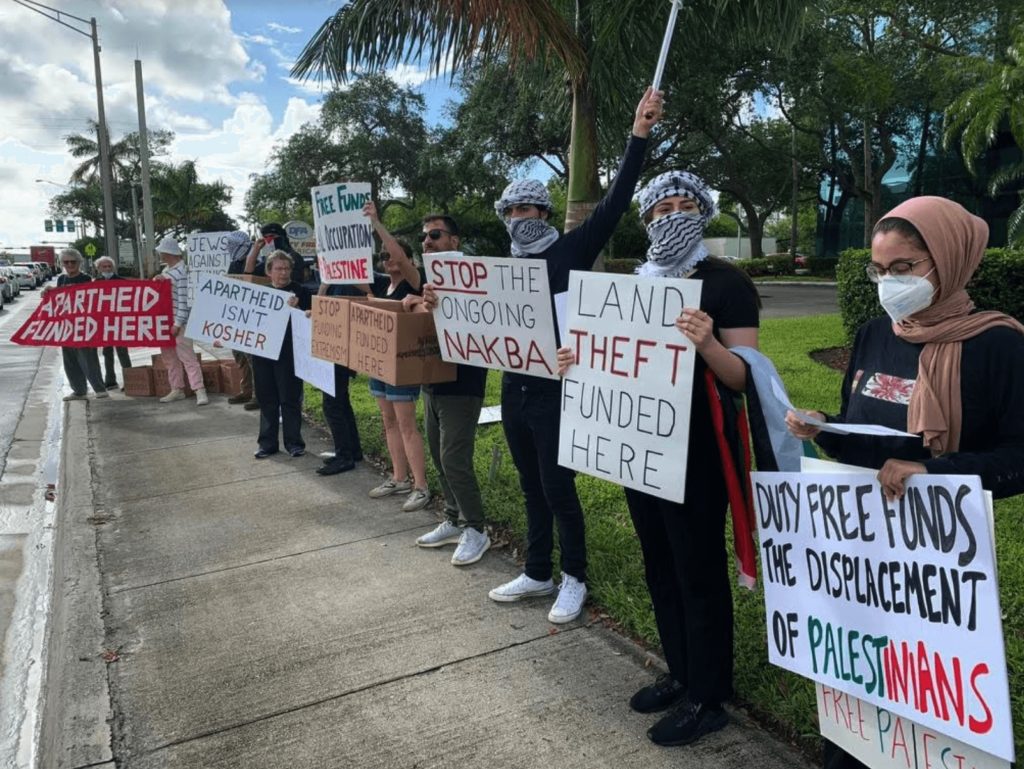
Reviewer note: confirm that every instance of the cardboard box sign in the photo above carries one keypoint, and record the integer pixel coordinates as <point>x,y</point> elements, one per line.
<point>395,346</point>
<point>330,316</point>
<point>138,381</point>
<point>230,378</point>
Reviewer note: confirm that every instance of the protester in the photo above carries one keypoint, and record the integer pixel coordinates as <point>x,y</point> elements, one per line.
<point>278,390</point>
<point>683,544</point>
<point>530,406</point>
<point>273,238</point>
<point>337,408</point>
<point>81,364</point>
<point>107,270</point>
<point>451,411</point>
<point>398,404</point>
<point>180,359</point>
<point>238,245</point>
<point>934,367</point>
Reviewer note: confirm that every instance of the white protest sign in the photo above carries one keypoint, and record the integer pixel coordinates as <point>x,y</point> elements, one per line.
<point>241,316</point>
<point>207,255</point>
<point>626,402</point>
<point>494,312</point>
<point>318,373</point>
<point>894,602</point>
<point>882,739</point>
<point>344,236</point>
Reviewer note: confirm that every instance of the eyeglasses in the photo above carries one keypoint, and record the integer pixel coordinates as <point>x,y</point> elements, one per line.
<point>73,261</point>
<point>435,234</point>
<point>897,268</point>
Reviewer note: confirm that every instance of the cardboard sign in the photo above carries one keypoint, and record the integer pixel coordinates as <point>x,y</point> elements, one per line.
<point>207,255</point>
<point>893,602</point>
<point>102,313</point>
<point>395,346</point>
<point>883,740</point>
<point>239,315</point>
<point>330,328</point>
<point>626,402</point>
<point>494,313</point>
<point>344,237</point>
<point>317,372</point>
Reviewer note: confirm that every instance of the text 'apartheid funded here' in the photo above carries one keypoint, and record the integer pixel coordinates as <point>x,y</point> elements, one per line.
<point>123,313</point>
<point>626,402</point>
<point>845,569</point>
<point>494,312</point>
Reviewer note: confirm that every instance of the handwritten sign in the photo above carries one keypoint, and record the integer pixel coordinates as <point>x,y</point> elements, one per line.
<point>344,237</point>
<point>317,372</point>
<point>894,602</point>
<point>494,313</point>
<point>626,402</point>
<point>240,315</point>
<point>102,313</point>
<point>330,329</point>
<point>883,740</point>
<point>207,255</point>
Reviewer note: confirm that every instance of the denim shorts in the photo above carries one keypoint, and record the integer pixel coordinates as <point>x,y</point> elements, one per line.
<point>406,394</point>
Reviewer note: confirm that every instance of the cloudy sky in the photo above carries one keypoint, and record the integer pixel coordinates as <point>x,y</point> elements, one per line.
<point>216,73</point>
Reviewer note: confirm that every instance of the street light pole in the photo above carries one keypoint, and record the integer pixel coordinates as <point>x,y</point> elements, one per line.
<point>102,138</point>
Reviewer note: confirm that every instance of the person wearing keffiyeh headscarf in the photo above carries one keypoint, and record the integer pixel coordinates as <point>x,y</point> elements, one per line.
<point>933,366</point>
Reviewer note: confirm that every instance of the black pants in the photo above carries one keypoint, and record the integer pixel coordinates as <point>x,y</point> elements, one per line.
<point>530,415</point>
<point>279,392</point>
<point>687,574</point>
<point>341,419</point>
<point>110,373</point>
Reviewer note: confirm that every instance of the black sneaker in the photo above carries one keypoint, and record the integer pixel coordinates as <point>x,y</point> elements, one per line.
<point>687,723</point>
<point>654,698</point>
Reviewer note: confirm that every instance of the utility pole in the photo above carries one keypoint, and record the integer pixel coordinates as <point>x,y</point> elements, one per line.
<point>102,138</point>
<point>148,249</point>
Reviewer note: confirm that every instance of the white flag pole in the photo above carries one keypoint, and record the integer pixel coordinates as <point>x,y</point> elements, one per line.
<point>666,43</point>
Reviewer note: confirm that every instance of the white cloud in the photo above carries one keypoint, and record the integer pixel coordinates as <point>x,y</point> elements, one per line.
<point>282,28</point>
<point>258,39</point>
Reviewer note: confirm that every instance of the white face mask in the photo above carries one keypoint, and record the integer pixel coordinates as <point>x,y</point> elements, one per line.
<point>107,274</point>
<point>904,295</point>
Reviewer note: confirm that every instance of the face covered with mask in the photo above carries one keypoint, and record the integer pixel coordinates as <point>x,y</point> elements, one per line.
<point>523,206</point>
<point>905,274</point>
<point>677,206</point>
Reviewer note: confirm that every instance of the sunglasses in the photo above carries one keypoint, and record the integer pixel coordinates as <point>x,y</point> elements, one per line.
<point>435,234</point>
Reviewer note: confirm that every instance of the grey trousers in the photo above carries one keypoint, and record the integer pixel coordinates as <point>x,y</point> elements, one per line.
<point>451,436</point>
<point>110,373</point>
<point>82,364</point>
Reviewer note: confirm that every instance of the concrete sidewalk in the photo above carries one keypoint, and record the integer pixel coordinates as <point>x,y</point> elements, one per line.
<point>228,612</point>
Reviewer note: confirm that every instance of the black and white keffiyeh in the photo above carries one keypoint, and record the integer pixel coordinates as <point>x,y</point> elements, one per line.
<point>677,244</point>
<point>523,192</point>
<point>529,236</point>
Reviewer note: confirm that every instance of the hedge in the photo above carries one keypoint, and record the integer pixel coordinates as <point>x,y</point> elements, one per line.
<point>997,285</point>
<point>776,264</point>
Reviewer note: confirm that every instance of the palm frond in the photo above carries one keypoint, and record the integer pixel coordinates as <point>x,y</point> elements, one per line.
<point>446,34</point>
<point>1005,177</point>
<point>1015,227</point>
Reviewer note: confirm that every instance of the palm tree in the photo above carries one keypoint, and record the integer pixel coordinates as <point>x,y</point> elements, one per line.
<point>182,203</point>
<point>598,46</point>
<point>978,115</point>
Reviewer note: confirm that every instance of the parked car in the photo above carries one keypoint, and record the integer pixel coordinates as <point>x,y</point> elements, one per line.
<point>12,280</point>
<point>3,294</point>
<point>44,268</point>
<point>26,278</point>
<point>7,287</point>
<point>37,274</point>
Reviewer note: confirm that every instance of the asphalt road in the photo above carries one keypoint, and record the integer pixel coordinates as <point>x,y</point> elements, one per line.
<point>795,299</point>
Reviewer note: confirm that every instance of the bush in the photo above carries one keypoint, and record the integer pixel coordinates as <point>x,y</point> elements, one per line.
<point>755,268</point>
<point>621,266</point>
<point>997,285</point>
<point>823,266</point>
<point>774,264</point>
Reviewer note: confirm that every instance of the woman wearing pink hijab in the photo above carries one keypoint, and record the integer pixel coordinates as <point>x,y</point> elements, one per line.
<point>934,367</point>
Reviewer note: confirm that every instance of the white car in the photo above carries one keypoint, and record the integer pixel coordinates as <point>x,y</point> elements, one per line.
<point>26,278</point>
<point>37,273</point>
<point>9,284</point>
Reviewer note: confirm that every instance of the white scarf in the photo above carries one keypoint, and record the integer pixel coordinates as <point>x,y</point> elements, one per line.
<point>677,245</point>
<point>530,236</point>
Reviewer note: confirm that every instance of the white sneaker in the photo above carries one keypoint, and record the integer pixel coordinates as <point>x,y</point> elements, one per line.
<point>101,394</point>
<point>569,604</point>
<point>173,395</point>
<point>390,487</point>
<point>446,533</point>
<point>472,546</point>
<point>416,500</point>
<point>201,399</point>
<point>75,397</point>
<point>521,587</point>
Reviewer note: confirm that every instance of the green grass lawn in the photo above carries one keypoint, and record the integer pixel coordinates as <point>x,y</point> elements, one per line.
<point>616,579</point>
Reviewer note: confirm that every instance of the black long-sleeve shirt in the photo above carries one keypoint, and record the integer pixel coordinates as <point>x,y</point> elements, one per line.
<point>877,388</point>
<point>579,248</point>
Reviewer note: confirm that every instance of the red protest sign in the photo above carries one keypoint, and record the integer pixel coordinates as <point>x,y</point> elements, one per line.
<point>103,313</point>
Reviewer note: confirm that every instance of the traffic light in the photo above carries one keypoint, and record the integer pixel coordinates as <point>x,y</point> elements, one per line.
<point>60,225</point>
<point>48,225</point>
